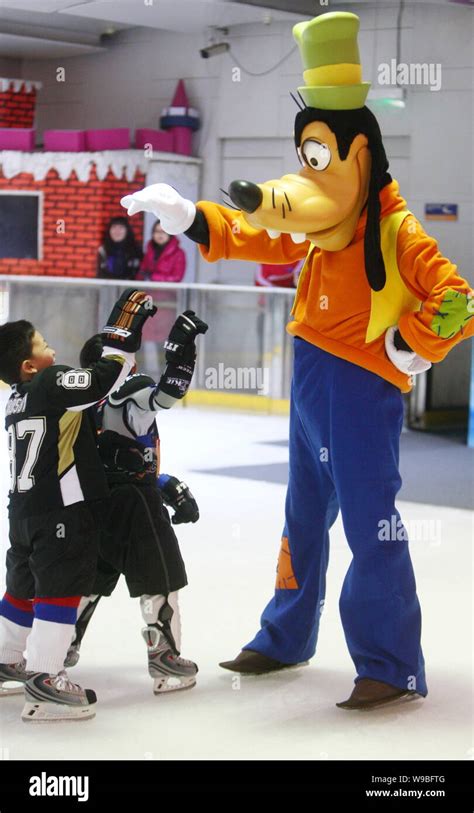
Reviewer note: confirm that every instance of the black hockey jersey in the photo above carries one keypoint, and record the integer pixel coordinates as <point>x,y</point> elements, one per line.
<point>54,460</point>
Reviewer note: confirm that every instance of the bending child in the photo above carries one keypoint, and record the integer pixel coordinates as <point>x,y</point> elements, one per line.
<point>137,537</point>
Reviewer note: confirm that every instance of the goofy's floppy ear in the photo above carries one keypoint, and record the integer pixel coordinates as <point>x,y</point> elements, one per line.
<point>374,263</point>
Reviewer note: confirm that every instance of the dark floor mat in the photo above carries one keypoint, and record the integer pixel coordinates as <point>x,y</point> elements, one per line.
<point>435,469</point>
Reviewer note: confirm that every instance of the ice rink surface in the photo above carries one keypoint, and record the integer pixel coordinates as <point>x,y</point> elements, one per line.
<point>231,557</point>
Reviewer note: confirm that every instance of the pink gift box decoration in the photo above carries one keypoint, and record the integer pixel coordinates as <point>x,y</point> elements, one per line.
<point>17,138</point>
<point>159,139</point>
<point>64,140</point>
<point>182,140</point>
<point>113,139</point>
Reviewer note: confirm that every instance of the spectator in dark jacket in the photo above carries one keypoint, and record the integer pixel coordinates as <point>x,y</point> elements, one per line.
<point>119,256</point>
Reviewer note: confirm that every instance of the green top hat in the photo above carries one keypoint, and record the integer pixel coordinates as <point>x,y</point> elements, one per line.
<point>331,63</point>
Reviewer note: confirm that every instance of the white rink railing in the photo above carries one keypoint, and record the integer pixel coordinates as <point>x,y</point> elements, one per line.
<point>246,349</point>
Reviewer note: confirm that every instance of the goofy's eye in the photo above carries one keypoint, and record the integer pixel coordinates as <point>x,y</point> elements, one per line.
<point>315,154</point>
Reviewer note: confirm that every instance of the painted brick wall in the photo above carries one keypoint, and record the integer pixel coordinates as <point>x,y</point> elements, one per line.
<point>17,108</point>
<point>75,214</point>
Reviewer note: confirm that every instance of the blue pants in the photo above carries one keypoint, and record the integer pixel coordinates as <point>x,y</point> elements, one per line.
<point>345,425</point>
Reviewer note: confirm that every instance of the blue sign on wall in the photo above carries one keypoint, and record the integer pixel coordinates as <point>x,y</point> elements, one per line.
<point>441,211</point>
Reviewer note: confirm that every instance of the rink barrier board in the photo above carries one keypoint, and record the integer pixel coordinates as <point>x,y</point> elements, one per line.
<point>229,400</point>
<point>238,401</point>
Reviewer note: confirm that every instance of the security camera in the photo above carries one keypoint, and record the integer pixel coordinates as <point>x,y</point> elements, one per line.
<point>214,50</point>
<point>107,36</point>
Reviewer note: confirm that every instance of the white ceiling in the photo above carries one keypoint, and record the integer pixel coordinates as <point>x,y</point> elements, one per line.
<point>21,47</point>
<point>172,15</point>
<point>51,28</point>
<point>177,15</point>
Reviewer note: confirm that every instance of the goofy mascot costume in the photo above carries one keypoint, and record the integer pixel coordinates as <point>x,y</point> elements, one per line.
<point>376,304</point>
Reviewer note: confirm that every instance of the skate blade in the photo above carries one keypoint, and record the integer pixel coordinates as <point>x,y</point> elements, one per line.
<point>9,687</point>
<point>55,713</point>
<point>167,684</point>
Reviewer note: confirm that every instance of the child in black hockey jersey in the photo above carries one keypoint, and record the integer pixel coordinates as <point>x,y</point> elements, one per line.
<point>138,539</point>
<point>56,478</point>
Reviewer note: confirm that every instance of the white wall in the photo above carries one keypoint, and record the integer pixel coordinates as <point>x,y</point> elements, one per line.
<point>431,139</point>
<point>132,82</point>
<point>11,67</point>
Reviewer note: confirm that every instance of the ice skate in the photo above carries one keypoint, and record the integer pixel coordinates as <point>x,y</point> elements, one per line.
<point>55,698</point>
<point>13,677</point>
<point>369,694</point>
<point>249,662</point>
<point>170,672</point>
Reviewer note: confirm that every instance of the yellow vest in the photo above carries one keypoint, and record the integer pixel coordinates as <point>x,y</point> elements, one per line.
<point>389,304</point>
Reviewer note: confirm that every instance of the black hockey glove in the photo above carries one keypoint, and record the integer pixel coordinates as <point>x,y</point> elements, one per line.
<point>177,496</point>
<point>124,326</point>
<point>182,334</point>
<point>177,376</point>
<point>120,454</point>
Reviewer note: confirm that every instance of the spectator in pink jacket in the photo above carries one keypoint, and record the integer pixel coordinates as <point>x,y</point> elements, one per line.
<point>164,260</point>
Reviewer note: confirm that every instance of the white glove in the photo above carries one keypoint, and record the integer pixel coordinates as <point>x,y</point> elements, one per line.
<point>409,363</point>
<point>176,214</point>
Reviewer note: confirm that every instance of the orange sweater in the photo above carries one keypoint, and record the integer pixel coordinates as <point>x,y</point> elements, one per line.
<point>333,302</point>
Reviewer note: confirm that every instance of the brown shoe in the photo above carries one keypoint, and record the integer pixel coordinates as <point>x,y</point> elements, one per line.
<point>249,662</point>
<point>369,694</point>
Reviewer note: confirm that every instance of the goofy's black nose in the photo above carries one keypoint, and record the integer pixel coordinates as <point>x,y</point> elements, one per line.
<point>246,195</point>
